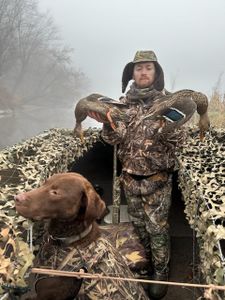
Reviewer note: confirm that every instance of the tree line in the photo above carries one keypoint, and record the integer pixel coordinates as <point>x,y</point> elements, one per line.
<point>35,66</point>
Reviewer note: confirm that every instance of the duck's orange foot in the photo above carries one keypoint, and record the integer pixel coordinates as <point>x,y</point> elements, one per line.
<point>202,136</point>
<point>78,132</point>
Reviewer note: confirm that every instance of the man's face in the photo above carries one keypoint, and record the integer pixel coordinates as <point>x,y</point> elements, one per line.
<point>144,74</point>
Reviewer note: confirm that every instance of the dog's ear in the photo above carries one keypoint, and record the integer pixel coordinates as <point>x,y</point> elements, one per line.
<point>95,206</point>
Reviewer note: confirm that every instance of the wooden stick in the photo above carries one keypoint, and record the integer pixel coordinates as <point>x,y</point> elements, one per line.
<point>99,276</point>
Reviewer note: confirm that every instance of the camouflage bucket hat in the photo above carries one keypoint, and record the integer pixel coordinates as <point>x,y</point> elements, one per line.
<point>143,56</point>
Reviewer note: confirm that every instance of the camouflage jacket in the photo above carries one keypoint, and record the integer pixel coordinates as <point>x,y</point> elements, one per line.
<point>144,149</point>
<point>99,257</point>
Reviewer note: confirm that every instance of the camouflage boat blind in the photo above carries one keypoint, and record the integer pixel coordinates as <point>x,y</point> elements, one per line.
<point>25,165</point>
<point>202,181</point>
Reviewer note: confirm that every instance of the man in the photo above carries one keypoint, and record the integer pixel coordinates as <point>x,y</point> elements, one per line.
<point>146,164</point>
<point>147,153</point>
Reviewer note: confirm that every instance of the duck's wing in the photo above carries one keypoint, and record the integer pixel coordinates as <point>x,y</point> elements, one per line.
<point>111,101</point>
<point>102,106</point>
<point>179,107</point>
<point>176,109</point>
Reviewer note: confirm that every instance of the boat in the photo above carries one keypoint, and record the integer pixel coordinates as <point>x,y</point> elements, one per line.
<point>197,222</point>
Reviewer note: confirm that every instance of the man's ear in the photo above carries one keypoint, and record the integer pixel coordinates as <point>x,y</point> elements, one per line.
<point>95,206</point>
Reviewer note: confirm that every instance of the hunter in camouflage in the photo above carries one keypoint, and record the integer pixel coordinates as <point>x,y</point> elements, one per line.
<point>147,145</point>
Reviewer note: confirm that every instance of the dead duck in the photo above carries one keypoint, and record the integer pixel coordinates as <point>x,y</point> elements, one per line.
<point>179,107</point>
<point>201,102</point>
<point>108,109</point>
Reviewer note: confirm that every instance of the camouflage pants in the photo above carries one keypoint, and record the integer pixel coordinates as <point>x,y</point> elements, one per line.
<point>149,214</point>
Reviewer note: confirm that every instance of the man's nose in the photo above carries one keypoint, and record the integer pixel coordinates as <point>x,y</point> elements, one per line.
<point>20,198</point>
<point>143,72</point>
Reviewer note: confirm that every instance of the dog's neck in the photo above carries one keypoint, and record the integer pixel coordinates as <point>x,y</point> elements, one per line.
<point>69,232</point>
<point>65,228</point>
<point>74,238</point>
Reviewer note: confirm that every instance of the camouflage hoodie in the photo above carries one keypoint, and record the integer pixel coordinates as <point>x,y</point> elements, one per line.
<point>144,149</point>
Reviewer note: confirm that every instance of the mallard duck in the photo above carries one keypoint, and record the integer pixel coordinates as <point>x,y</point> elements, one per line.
<point>107,109</point>
<point>185,102</point>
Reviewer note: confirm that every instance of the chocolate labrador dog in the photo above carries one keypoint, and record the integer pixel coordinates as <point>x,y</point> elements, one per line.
<point>73,241</point>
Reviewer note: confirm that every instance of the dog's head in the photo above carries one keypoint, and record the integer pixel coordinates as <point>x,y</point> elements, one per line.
<point>62,196</point>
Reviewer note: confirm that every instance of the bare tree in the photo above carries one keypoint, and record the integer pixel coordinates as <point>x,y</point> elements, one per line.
<point>173,80</point>
<point>34,63</point>
<point>9,11</point>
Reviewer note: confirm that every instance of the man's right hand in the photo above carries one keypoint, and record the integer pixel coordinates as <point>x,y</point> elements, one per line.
<point>96,116</point>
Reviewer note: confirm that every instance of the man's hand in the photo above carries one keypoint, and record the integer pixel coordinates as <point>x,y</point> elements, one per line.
<point>98,118</point>
<point>95,116</point>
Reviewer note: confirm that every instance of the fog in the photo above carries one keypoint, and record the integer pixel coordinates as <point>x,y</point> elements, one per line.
<point>186,35</point>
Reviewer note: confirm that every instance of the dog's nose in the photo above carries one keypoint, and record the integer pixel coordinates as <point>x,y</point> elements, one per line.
<point>19,198</point>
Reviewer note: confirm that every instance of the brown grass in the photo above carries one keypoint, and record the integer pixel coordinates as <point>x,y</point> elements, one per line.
<point>217,109</point>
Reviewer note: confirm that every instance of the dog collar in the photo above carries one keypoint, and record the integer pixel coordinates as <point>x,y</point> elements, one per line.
<point>73,238</point>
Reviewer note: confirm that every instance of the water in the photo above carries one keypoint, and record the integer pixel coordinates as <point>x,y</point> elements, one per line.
<point>32,120</point>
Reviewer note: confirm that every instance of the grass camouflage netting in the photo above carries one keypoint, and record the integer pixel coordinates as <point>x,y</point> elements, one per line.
<point>201,179</point>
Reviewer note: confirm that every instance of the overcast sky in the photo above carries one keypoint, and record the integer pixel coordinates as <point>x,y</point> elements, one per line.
<point>188,37</point>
